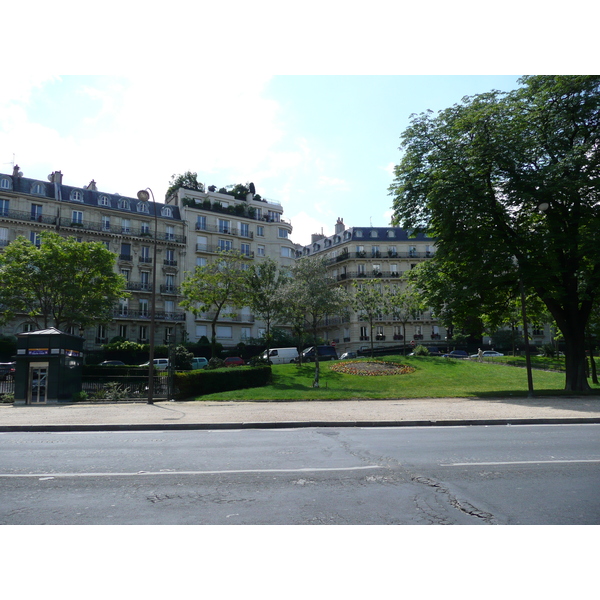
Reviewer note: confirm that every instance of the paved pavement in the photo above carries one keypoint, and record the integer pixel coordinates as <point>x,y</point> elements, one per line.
<point>340,413</point>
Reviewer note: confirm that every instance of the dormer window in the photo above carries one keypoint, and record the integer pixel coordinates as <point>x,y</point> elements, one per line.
<point>391,233</point>
<point>5,183</point>
<point>76,196</point>
<point>38,188</point>
<point>103,200</point>
<point>142,207</point>
<point>166,211</point>
<point>124,203</point>
<point>374,233</point>
<point>358,233</point>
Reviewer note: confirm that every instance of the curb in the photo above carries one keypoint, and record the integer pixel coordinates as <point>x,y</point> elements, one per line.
<point>292,425</point>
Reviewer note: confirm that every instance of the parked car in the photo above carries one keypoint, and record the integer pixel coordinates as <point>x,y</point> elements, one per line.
<point>488,354</point>
<point>199,362</point>
<point>160,364</point>
<point>233,361</point>
<point>457,354</point>
<point>278,356</point>
<point>325,353</point>
<point>7,370</point>
<point>348,355</point>
<point>113,363</point>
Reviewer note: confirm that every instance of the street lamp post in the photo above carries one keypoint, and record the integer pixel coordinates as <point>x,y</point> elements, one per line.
<point>144,196</point>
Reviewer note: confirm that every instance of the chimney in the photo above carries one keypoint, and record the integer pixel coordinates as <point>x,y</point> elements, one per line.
<point>91,186</point>
<point>339,226</point>
<point>56,178</point>
<point>315,237</point>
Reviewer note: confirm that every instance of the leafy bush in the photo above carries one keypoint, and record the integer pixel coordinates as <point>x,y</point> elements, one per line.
<point>215,363</point>
<point>421,350</point>
<point>81,396</point>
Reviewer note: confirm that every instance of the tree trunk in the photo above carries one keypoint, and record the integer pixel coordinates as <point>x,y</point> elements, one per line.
<point>575,376</point>
<point>213,340</point>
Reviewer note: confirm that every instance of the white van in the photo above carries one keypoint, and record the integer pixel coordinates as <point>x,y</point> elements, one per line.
<point>280,356</point>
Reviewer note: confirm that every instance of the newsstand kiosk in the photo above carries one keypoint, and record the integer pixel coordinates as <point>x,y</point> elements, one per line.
<point>49,366</point>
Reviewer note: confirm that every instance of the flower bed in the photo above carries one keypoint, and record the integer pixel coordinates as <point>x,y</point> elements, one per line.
<point>372,367</point>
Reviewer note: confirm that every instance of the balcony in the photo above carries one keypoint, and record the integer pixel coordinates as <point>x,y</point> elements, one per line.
<point>169,289</point>
<point>144,315</point>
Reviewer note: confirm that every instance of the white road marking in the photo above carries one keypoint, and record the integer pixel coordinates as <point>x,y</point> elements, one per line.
<point>520,462</point>
<point>233,471</point>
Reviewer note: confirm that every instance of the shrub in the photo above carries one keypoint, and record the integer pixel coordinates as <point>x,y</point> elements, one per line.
<point>81,396</point>
<point>215,363</point>
<point>199,383</point>
<point>421,350</point>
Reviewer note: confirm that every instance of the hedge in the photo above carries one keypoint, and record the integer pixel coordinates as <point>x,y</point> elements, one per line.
<point>190,384</point>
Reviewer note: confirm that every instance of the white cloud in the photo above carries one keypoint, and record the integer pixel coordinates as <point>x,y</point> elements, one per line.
<point>305,225</point>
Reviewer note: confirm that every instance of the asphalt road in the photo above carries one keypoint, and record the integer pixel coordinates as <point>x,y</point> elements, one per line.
<point>530,474</point>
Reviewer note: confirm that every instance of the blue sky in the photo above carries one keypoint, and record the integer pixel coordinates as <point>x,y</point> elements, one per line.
<point>323,146</point>
<point>308,103</point>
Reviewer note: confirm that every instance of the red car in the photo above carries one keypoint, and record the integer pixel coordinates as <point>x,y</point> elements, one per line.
<point>233,361</point>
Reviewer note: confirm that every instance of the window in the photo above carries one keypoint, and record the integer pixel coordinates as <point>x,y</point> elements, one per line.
<point>145,228</point>
<point>145,280</point>
<point>123,203</point>
<point>200,223</point>
<point>143,307</point>
<point>5,183</point>
<point>412,251</point>
<point>358,233</point>
<point>170,258</point>
<point>39,189</point>
<point>123,331</point>
<point>126,273</point>
<point>224,332</point>
<point>225,245</point>
<point>360,250</point>
<point>392,251</point>
<point>259,213</point>
<point>200,261</point>
<point>260,230</point>
<point>364,333</point>
<point>169,283</point>
<point>170,232</point>
<point>244,229</point>
<point>283,233</point>
<point>145,254</point>
<point>245,249</point>
<point>169,307</point>
<point>34,238</point>
<point>105,223</point>
<point>103,200</point>
<point>77,217</point>
<point>375,251</point>
<point>4,207</point>
<point>224,226</point>
<point>274,216</point>
<point>260,250</point>
<point>76,196</point>
<point>201,243</point>
<point>166,211</point>
<point>246,333</point>
<point>391,233</point>
<point>287,252</point>
<point>201,331</point>
<point>373,233</point>
<point>361,269</point>
<point>125,252</point>
<point>36,212</point>
<point>142,207</point>
<point>3,236</point>
<point>143,333</point>
<point>101,334</point>
<point>123,307</point>
<point>125,225</point>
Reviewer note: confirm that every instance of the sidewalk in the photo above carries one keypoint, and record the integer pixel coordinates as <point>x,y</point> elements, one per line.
<point>340,413</point>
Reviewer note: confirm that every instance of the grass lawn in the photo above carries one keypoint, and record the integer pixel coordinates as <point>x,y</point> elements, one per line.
<point>433,377</point>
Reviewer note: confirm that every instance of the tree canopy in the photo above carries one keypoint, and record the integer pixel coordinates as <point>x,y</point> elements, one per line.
<point>62,283</point>
<point>214,288</point>
<point>187,180</point>
<point>508,184</point>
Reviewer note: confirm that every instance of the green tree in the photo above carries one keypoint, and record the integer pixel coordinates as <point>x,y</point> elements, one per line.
<point>263,284</point>
<point>368,302</point>
<point>62,283</point>
<point>312,293</point>
<point>403,306</point>
<point>505,176</point>
<point>215,288</point>
<point>187,180</point>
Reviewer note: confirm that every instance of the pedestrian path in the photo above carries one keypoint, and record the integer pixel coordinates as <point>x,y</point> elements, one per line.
<point>393,412</point>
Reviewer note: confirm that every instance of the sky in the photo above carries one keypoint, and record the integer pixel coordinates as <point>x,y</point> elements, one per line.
<point>323,146</point>
<point>308,103</point>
